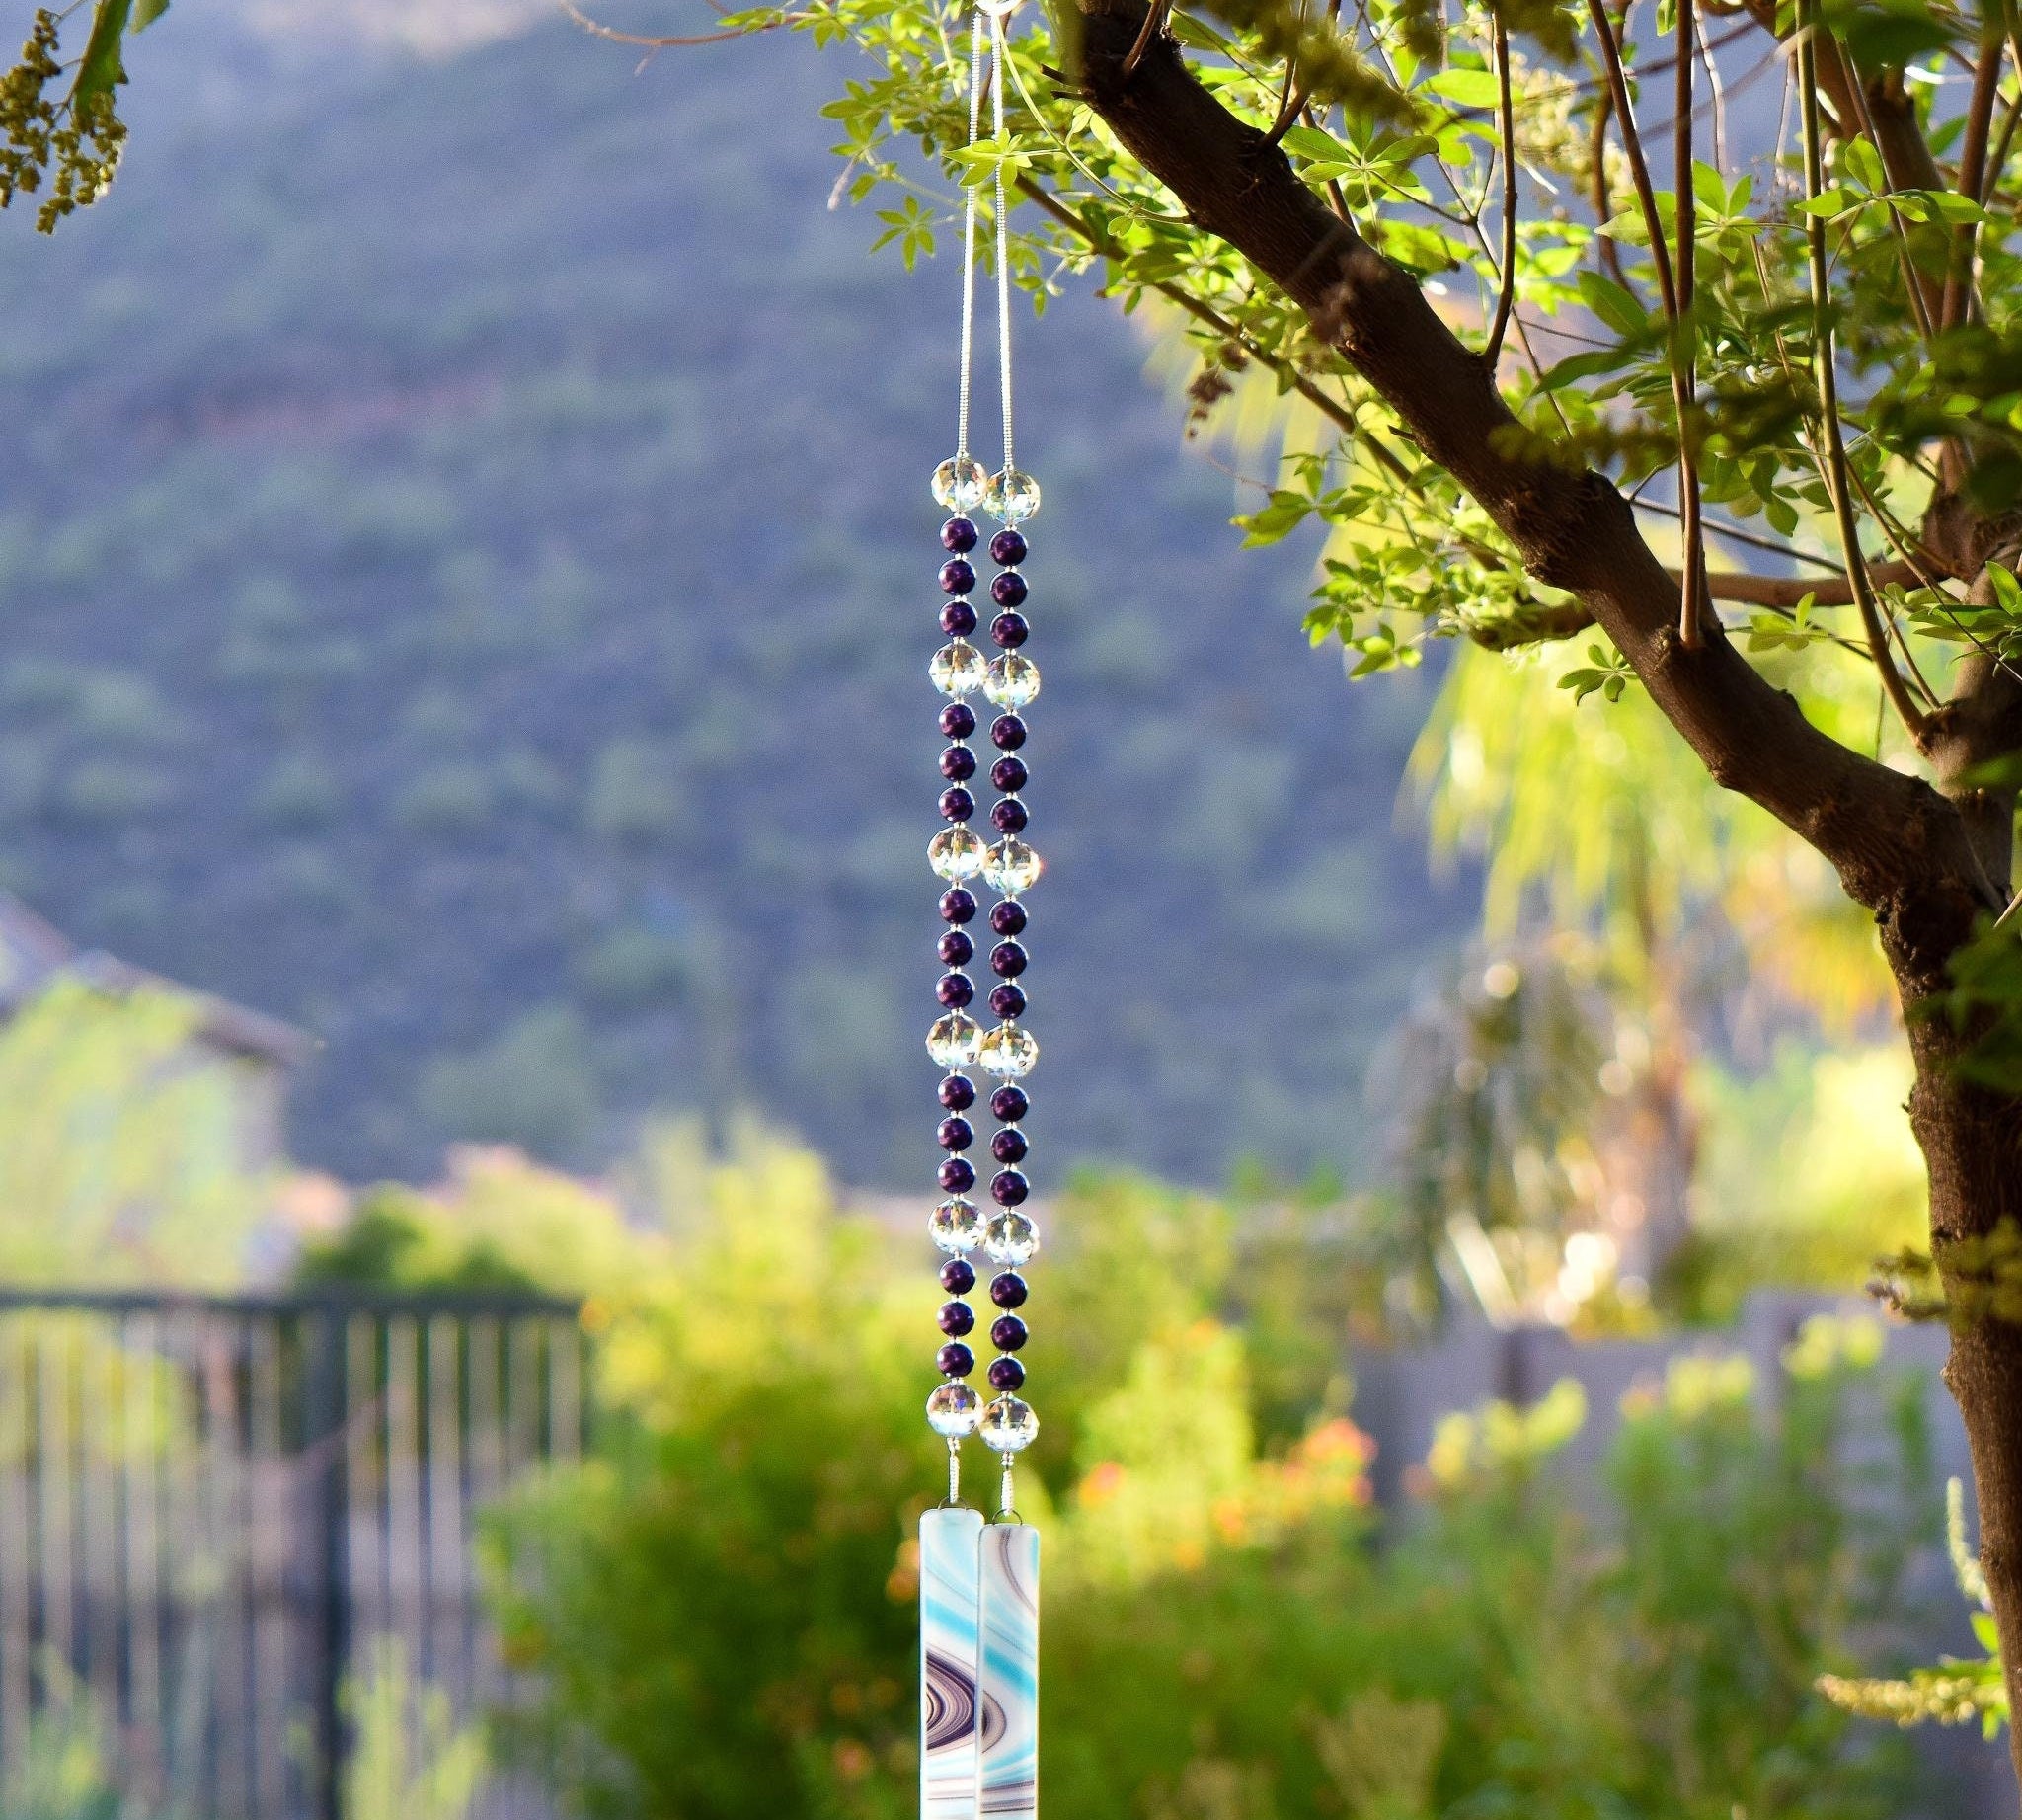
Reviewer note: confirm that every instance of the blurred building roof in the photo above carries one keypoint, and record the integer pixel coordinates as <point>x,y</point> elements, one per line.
<point>35,953</point>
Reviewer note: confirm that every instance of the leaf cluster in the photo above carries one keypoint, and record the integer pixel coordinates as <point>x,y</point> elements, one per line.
<point>72,140</point>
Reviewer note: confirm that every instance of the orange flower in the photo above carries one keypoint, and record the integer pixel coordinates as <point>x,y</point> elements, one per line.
<point>1104,1481</point>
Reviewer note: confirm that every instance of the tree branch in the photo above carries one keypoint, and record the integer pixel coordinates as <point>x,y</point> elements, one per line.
<point>1892,838</point>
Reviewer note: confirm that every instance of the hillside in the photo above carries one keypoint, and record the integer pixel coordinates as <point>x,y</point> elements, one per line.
<point>465,585</point>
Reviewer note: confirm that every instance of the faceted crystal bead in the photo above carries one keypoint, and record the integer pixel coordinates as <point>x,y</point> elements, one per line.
<point>1009,1425</point>
<point>1013,679</point>
<point>958,669</point>
<point>1010,1237</point>
<point>1011,497</point>
<point>956,853</point>
<point>1008,1051</point>
<point>956,1226</point>
<point>1009,867</point>
<point>960,484</point>
<point>954,1040</point>
<point>953,1411</point>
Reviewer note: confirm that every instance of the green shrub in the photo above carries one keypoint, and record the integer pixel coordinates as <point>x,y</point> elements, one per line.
<point>721,1609</point>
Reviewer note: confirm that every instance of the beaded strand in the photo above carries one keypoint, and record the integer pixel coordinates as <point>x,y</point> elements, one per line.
<point>1008,865</point>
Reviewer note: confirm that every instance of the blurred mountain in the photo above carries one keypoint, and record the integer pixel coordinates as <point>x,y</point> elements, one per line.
<point>466,579</point>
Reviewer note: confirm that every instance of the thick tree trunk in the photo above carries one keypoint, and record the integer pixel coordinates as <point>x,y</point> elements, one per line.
<point>1971,1141</point>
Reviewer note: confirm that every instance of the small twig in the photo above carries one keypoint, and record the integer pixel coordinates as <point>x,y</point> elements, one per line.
<point>1154,17</point>
<point>1603,204</point>
<point>1823,359</point>
<point>598,30</point>
<point>1639,168</point>
<point>1505,297</point>
<point>1922,299</point>
<point>1959,300</point>
<point>1693,605</point>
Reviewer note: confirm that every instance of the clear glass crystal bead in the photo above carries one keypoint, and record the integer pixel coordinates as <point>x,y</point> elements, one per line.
<point>958,669</point>
<point>1012,681</point>
<point>1009,1052</point>
<point>956,1226</point>
<point>956,854</point>
<point>1011,497</point>
<point>1010,866</point>
<point>961,483</point>
<point>1011,1237</point>
<point>953,1410</point>
<point>1009,1425</point>
<point>954,1040</point>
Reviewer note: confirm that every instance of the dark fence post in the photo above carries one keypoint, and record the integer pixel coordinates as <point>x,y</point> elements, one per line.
<point>325,1338</point>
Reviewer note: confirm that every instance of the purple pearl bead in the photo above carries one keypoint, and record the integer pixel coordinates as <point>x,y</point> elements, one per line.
<point>1008,1001</point>
<point>1008,918</point>
<point>956,1176</point>
<point>958,535</point>
<point>1008,588</point>
<point>1007,547</point>
<point>955,1360</point>
<point>958,619</point>
<point>1008,1290</point>
<point>1007,732</point>
<point>958,720</point>
<point>955,949</point>
<point>958,763</point>
<point>954,1135</point>
<point>957,576</point>
<point>957,905</point>
<point>1009,774</point>
<point>958,1276</point>
<point>1010,630</point>
<point>1007,1333</point>
<point>1006,1375</point>
<point>956,805</point>
<point>1008,1188</point>
<point>955,1318</point>
<point>1007,817</point>
<point>1008,1105</point>
<point>1009,959</point>
<point>954,990</point>
<point>1008,1146</point>
<point>957,1092</point>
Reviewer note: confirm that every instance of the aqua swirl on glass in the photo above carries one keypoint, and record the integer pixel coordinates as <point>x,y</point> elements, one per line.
<point>948,1663</point>
<point>1008,1785</point>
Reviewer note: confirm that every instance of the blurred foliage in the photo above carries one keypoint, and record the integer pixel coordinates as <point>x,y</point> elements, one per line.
<point>1809,1177</point>
<point>409,1759</point>
<point>1491,1092</point>
<point>498,1223</point>
<point>1606,819</point>
<point>1954,1691</point>
<point>122,1154</point>
<point>721,1607</point>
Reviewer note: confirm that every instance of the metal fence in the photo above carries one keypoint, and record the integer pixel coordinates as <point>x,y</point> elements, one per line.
<point>219,1515</point>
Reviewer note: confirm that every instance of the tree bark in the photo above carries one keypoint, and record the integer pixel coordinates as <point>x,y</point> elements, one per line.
<point>1925,865</point>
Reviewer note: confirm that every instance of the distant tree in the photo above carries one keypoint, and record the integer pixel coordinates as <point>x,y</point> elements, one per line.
<point>1543,290</point>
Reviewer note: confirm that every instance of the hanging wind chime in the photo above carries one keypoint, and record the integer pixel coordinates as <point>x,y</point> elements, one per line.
<point>980,1581</point>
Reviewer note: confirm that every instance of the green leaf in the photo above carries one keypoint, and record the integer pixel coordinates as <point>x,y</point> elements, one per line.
<point>145,12</point>
<point>1860,161</point>
<point>1466,87</point>
<point>100,70</point>
<point>1587,366</point>
<point>1616,304</point>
